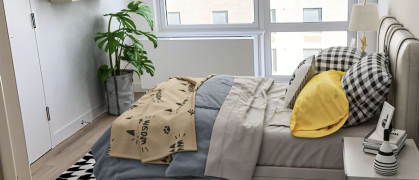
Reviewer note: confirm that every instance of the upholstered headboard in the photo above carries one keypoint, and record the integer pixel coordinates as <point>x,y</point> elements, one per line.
<point>403,51</point>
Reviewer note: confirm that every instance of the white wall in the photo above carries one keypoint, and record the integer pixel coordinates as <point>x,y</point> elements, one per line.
<point>405,11</point>
<point>199,58</point>
<point>383,7</point>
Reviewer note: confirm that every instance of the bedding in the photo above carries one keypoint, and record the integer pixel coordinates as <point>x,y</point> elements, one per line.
<point>339,58</point>
<point>256,133</point>
<point>304,72</point>
<point>238,129</point>
<point>161,123</point>
<point>321,108</point>
<point>281,149</point>
<point>366,85</point>
<point>209,98</point>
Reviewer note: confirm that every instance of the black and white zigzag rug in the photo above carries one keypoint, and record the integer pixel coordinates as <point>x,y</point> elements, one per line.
<point>82,170</point>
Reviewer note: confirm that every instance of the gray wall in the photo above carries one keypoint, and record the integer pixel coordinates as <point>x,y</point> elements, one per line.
<point>405,11</point>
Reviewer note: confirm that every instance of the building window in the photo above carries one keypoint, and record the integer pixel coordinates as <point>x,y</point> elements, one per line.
<point>273,15</point>
<point>274,60</point>
<point>219,17</point>
<point>312,15</point>
<point>291,36</point>
<point>207,14</point>
<point>307,52</point>
<point>173,18</point>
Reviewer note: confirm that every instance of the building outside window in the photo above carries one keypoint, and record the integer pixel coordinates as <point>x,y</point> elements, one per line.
<point>294,29</point>
<point>274,60</point>
<point>309,52</point>
<point>301,28</point>
<point>173,18</point>
<point>312,14</point>
<point>220,17</point>
<point>210,12</point>
<point>273,15</point>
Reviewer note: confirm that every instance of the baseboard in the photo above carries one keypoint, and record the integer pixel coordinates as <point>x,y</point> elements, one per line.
<point>138,88</point>
<point>67,131</point>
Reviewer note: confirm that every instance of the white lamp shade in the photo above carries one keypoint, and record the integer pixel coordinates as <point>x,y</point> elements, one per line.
<point>364,17</point>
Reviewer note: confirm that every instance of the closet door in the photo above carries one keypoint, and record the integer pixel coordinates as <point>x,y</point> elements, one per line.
<point>28,77</point>
<point>69,59</point>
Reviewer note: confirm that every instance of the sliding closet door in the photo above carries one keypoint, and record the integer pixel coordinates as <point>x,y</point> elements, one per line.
<point>69,59</point>
<point>28,77</point>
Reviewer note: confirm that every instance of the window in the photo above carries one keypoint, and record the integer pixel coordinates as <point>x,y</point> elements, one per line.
<point>273,15</point>
<point>274,60</point>
<point>307,52</point>
<point>312,14</point>
<point>310,11</point>
<point>173,18</point>
<point>293,47</point>
<point>296,29</point>
<point>208,14</point>
<point>220,17</point>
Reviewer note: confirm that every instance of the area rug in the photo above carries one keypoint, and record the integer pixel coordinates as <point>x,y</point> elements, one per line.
<point>82,170</point>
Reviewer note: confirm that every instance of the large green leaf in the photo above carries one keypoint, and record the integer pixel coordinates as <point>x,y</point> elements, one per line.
<point>111,39</point>
<point>142,10</point>
<point>125,20</point>
<point>135,42</point>
<point>103,72</point>
<point>151,37</point>
<point>138,59</point>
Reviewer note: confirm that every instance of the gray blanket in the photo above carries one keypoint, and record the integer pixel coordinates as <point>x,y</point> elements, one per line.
<point>238,131</point>
<point>209,99</point>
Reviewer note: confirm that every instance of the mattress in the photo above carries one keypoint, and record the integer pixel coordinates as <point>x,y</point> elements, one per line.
<point>280,148</point>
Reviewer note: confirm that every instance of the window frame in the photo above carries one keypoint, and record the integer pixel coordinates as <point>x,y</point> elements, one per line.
<point>270,27</point>
<point>162,20</point>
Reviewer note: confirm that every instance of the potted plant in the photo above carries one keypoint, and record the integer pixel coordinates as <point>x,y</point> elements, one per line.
<point>118,81</point>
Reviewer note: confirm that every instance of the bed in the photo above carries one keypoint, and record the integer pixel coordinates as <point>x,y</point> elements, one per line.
<point>289,157</point>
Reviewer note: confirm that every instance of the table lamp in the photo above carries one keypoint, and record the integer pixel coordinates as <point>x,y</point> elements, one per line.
<point>364,17</point>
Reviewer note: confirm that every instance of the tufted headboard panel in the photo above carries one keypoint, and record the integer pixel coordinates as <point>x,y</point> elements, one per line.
<point>403,51</point>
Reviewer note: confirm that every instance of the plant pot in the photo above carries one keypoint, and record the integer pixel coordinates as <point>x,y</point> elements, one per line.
<point>119,93</point>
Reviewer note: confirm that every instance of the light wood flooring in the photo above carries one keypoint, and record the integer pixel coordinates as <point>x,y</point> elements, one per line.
<point>57,160</point>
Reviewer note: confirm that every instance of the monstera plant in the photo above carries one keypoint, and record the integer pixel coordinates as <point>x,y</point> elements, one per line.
<point>122,44</point>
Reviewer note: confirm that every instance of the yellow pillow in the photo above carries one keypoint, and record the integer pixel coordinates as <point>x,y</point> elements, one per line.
<point>321,107</point>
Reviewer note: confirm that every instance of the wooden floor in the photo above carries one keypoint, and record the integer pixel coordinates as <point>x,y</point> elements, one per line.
<point>56,161</point>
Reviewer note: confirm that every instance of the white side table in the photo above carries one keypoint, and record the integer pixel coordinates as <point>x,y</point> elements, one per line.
<point>359,165</point>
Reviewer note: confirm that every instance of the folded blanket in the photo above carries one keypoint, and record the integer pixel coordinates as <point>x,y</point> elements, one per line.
<point>161,123</point>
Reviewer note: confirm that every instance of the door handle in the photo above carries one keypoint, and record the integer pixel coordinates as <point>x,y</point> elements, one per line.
<point>33,20</point>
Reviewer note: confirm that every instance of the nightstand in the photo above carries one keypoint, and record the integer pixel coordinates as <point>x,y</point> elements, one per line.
<point>359,165</point>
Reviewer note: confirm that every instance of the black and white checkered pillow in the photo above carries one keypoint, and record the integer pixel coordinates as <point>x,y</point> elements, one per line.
<point>339,58</point>
<point>366,85</point>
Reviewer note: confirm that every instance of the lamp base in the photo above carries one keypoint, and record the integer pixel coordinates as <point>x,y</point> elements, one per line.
<point>364,42</point>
